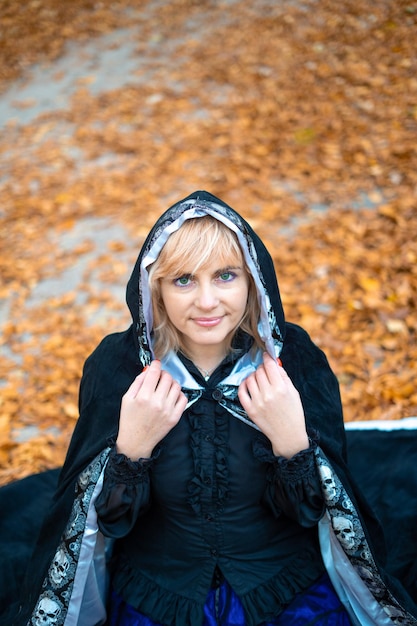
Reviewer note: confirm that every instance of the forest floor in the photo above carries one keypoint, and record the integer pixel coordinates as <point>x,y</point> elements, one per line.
<point>301,116</point>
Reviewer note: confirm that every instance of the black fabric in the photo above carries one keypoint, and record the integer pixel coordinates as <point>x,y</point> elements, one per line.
<point>107,374</point>
<point>383,463</point>
<point>212,467</point>
<point>23,507</point>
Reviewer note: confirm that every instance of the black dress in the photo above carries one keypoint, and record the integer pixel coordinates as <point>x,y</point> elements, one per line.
<point>213,496</point>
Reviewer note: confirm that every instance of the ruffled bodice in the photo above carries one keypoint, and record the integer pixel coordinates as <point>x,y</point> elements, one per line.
<point>213,495</point>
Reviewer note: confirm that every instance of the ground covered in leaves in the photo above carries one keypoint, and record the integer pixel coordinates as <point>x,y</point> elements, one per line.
<point>302,115</point>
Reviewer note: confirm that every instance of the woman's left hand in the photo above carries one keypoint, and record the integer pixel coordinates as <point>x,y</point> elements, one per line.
<point>273,403</point>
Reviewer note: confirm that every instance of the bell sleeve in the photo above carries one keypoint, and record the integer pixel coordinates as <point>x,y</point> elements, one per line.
<point>293,485</point>
<point>125,494</point>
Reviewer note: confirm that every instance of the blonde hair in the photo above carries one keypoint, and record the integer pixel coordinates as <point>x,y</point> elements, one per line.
<point>192,247</point>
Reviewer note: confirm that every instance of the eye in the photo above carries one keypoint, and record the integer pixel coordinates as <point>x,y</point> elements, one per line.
<point>226,277</point>
<point>183,281</point>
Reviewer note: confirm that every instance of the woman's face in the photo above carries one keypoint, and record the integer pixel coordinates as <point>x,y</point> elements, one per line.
<point>207,307</point>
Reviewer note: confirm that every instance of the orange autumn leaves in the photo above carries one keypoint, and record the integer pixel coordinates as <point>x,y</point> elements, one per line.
<point>356,284</point>
<point>302,117</point>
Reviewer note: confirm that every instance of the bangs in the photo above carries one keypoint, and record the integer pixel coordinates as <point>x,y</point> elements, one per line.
<point>191,248</point>
<point>195,245</point>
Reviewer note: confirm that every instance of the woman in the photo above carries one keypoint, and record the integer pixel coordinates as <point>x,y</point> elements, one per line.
<point>209,458</point>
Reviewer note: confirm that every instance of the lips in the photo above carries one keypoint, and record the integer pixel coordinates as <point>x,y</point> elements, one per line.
<point>207,322</point>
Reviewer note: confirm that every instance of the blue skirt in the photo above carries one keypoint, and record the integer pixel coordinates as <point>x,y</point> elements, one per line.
<point>319,605</point>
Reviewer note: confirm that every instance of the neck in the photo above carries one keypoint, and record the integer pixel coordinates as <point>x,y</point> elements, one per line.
<point>207,356</point>
<point>206,373</point>
<point>205,362</point>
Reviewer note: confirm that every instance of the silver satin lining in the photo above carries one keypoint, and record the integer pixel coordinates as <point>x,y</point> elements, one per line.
<point>247,364</point>
<point>241,370</point>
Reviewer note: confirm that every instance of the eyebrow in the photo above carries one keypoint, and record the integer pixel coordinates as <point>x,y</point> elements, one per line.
<point>220,270</point>
<point>228,267</point>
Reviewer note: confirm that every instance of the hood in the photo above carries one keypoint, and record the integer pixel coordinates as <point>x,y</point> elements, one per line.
<point>257,257</point>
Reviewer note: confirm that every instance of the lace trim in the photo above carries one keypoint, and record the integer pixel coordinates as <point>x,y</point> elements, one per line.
<point>300,466</point>
<point>121,470</point>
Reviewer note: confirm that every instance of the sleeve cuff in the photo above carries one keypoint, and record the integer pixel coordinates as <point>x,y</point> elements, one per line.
<point>122,470</point>
<point>292,469</point>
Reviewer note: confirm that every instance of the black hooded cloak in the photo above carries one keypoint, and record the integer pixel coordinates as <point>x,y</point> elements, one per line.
<point>357,572</point>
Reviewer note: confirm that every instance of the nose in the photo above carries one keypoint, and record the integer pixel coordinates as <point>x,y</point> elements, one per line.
<point>207,298</point>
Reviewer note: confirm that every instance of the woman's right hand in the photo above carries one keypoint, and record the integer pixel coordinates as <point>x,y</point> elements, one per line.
<point>151,407</point>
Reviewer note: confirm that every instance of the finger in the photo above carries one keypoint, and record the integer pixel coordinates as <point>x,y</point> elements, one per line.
<point>244,396</point>
<point>166,385</point>
<point>176,400</point>
<point>267,357</point>
<point>247,390</point>
<point>140,380</point>
<point>273,369</point>
<point>170,388</point>
<point>256,381</point>
<point>152,374</point>
<point>181,403</point>
<point>136,385</point>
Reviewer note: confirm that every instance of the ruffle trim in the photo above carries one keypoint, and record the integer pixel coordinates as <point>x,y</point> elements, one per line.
<point>197,484</point>
<point>121,470</point>
<point>159,604</point>
<point>298,467</point>
<point>261,604</point>
<point>268,600</point>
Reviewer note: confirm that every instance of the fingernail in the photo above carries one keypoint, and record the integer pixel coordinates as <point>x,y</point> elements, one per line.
<point>279,361</point>
<point>145,368</point>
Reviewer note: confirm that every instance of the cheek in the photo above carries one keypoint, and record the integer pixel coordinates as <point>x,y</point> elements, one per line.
<point>175,307</point>
<point>242,300</point>
<point>172,311</point>
<point>166,302</point>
